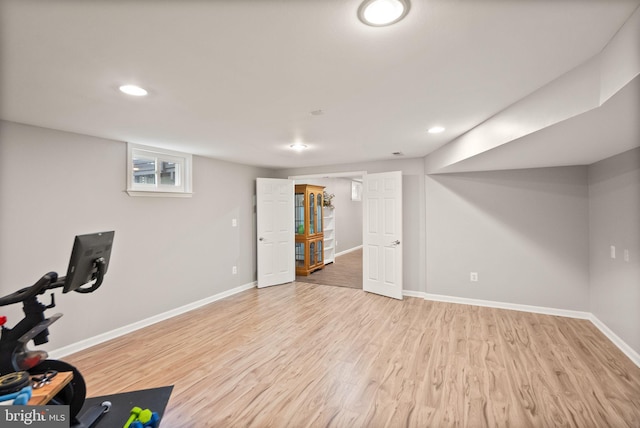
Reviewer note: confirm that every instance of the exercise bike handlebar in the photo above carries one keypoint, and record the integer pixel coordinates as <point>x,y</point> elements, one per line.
<point>48,281</point>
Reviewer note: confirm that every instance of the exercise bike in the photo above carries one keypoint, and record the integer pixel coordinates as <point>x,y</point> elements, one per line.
<point>87,267</point>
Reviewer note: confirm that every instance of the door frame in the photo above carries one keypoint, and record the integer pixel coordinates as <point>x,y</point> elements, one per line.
<point>351,174</point>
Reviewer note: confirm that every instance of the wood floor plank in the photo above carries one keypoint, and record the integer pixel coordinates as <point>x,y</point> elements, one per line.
<point>346,271</point>
<point>307,355</point>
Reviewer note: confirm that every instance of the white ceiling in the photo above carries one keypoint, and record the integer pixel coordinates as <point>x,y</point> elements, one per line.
<point>238,79</point>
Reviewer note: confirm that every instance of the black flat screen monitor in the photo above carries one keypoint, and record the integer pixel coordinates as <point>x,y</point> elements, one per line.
<point>85,259</point>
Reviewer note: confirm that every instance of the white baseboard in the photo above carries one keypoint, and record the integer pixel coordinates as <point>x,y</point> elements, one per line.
<point>92,341</point>
<point>621,344</point>
<point>342,253</point>
<point>511,306</point>
<point>411,293</point>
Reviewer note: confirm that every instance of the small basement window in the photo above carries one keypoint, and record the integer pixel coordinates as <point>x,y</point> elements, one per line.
<point>157,172</point>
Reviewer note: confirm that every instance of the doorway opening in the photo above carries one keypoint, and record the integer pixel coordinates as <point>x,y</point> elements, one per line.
<point>343,233</point>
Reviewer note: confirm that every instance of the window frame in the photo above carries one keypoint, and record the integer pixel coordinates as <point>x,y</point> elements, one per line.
<point>356,190</point>
<point>183,178</point>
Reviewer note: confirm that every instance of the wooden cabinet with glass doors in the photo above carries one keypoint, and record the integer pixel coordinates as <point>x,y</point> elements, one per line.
<point>308,229</point>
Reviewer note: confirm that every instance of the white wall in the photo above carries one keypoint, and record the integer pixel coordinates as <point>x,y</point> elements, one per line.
<point>524,232</point>
<point>167,251</point>
<point>412,208</point>
<point>614,212</point>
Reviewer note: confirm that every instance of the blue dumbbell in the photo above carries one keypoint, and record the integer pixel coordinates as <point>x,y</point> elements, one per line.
<point>20,398</point>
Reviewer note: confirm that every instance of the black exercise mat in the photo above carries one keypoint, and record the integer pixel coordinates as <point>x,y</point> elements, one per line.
<point>154,399</point>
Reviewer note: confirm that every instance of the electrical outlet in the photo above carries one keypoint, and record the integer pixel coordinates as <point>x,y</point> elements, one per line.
<point>626,255</point>
<point>234,222</point>
<point>612,251</point>
<point>473,276</point>
<point>234,270</point>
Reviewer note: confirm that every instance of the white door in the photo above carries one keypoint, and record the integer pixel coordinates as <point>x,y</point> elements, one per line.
<point>275,234</point>
<point>382,234</point>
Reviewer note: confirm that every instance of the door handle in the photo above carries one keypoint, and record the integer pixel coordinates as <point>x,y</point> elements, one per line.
<point>261,239</point>
<point>394,243</point>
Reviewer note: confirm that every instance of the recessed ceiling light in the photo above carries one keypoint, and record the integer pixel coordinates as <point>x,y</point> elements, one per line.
<point>379,13</point>
<point>133,90</point>
<point>298,147</point>
<point>435,130</point>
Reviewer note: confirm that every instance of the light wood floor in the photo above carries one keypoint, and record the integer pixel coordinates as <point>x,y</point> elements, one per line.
<point>300,355</point>
<point>345,272</point>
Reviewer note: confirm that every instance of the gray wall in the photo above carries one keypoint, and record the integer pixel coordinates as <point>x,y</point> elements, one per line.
<point>168,252</point>
<point>614,211</point>
<point>537,237</point>
<point>348,213</point>
<point>525,232</point>
<point>412,208</point>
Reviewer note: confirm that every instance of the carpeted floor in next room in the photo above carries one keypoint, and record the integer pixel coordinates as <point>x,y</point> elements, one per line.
<point>346,271</point>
